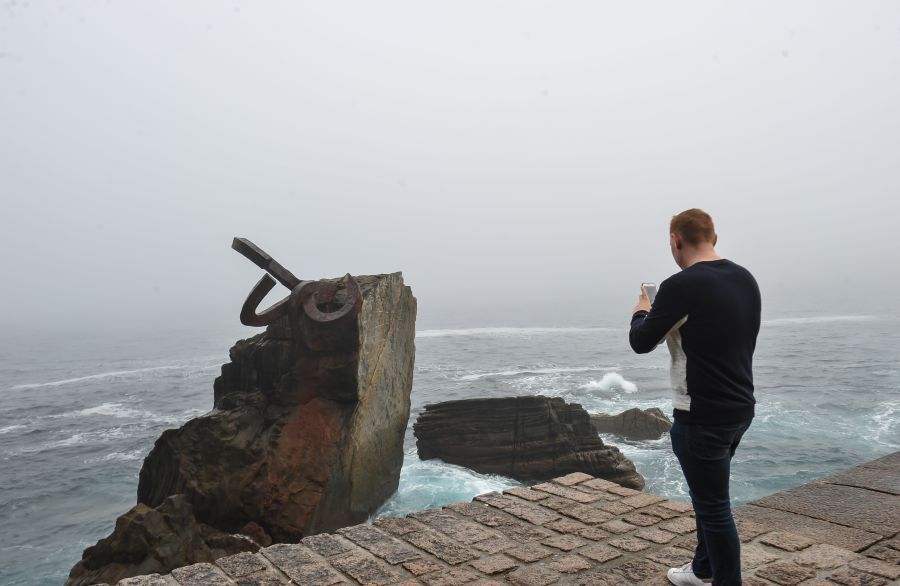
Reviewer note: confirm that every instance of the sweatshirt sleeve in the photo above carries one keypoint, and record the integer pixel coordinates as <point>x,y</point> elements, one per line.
<point>648,329</point>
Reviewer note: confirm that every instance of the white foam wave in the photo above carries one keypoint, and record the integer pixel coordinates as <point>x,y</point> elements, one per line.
<point>819,319</point>
<point>10,428</point>
<point>115,374</point>
<point>509,331</point>
<point>611,381</point>
<point>535,371</point>
<point>109,410</point>
<point>118,457</point>
<point>89,437</point>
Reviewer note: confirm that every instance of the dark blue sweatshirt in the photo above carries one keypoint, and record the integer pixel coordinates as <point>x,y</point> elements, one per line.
<point>709,315</point>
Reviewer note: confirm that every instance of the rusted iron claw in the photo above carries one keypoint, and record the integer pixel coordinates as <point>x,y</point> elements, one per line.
<point>308,295</point>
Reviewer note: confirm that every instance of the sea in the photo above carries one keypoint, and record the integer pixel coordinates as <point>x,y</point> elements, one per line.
<point>79,414</point>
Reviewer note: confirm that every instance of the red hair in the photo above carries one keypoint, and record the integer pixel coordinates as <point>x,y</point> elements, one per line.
<point>694,226</point>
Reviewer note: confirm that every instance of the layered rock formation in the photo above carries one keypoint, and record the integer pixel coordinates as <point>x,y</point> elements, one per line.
<point>530,439</point>
<point>633,424</point>
<point>306,433</point>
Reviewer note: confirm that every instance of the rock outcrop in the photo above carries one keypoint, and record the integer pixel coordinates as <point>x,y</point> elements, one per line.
<point>531,439</point>
<point>633,424</point>
<point>306,433</point>
<point>148,541</point>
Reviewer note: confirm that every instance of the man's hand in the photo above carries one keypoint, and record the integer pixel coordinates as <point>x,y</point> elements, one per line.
<point>643,303</point>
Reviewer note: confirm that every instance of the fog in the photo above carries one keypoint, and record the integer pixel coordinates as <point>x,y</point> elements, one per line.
<point>519,162</point>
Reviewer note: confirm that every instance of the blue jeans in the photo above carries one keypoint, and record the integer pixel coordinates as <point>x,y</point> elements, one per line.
<point>705,452</point>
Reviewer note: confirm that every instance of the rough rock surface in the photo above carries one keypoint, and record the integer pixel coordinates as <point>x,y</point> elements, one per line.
<point>530,439</point>
<point>306,433</point>
<point>633,424</point>
<point>147,541</point>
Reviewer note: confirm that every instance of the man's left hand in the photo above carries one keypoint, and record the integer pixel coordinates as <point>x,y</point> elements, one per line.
<point>643,303</point>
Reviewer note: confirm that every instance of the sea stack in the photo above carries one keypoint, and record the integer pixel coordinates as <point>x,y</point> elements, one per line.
<point>531,439</point>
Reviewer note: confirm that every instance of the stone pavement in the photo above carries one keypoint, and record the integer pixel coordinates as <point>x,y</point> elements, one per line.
<point>844,529</point>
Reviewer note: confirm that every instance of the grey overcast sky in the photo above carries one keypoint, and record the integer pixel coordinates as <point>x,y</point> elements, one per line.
<point>518,161</point>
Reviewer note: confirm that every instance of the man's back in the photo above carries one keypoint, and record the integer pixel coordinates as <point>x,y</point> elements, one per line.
<point>716,307</point>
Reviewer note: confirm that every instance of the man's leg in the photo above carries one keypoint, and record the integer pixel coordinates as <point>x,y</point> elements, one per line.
<point>704,453</point>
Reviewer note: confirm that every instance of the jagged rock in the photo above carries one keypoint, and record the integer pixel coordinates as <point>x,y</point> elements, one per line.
<point>633,424</point>
<point>154,540</point>
<point>300,441</point>
<point>530,439</point>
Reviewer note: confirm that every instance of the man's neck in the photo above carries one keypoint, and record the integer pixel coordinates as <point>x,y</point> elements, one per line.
<point>701,255</point>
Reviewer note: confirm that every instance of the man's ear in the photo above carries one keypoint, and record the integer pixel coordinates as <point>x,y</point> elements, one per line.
<point>677,239</point>
<point>715,239</point>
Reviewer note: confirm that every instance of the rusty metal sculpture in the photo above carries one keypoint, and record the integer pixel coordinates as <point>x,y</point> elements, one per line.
<point>313,304</point>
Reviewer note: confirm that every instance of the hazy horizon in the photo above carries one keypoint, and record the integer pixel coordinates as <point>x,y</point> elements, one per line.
<point>519,163</point>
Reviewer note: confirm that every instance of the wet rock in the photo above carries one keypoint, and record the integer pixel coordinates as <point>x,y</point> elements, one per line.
<point>633,424</point>
<point>530,439</point>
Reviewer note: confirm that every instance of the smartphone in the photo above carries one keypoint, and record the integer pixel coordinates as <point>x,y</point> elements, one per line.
<point>651,291</point>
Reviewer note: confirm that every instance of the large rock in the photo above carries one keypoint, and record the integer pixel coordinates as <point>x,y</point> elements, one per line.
<point>530,439</point>
<point>300,441</point>
<point>155,540</point>
<point>633,424</point>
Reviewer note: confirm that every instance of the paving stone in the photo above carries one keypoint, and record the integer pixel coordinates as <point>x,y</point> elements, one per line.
<point>851,577</point>
<point>262,579</point>
<point>824,556</point>
<point>493,499</point>
<point>644,499</point>
<point>877,567</point>
<point>380,544</point>
<point>531,513</point>
<point>566,492</point>
<point>523,532</point>
<point>422,566</point>
<point>529,552</point>
<point>449,577</point>
<point>636,571</point>
<point>875,478</point>
<point>410,582</point>
<point>629,544</point>
<point>325,545</point>
<point>599,484</point>
<point>885,553</point>
<point>566,526</point>
<point>655,535</point>
<point>622,491</point>
<point>751,581</point>
<point>199,575</point>
<point>588,514</point>
<point>494,564</point>
<point>440,546</point>
<point>641,520</point>
<point>615,507</point>
<point>533,576</point>
<point>363,569</point>
<point>618,527</point>
<point>599,552</point>
<point>494,544</point>
<point>750,530</point>
<point>396,525</point>
<point>786,540</point>
<point>573,478</point>
<point>785,573</point>
<point>568,564</point>
<point>678,506</point>
<point>288,553</point>
<point>593,533</point>
<point>241,564</point>
<point>681,525</point>
<point>147,580</point>
<point>488,583</point>
<point>599,578</point>
<point>564,542</point>
<point>754,555</point>
<point>863,509</point>
<point>456,527</point>
<point>526,493</point>
<point>816,529</point>
<point>672,556</point>
<point>661,512</point>
<point>467,509</point>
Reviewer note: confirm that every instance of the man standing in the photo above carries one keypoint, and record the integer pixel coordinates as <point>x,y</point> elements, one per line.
<point>709,315</point>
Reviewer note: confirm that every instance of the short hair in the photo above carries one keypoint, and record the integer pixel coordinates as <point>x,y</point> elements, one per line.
<point>694,226</point>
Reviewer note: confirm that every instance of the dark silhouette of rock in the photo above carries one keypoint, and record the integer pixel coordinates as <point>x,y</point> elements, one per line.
<point>633,424</point>
<point>147,541</point>
<point>530,439</point>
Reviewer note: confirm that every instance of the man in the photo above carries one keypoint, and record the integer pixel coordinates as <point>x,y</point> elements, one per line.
<point>709,314</point>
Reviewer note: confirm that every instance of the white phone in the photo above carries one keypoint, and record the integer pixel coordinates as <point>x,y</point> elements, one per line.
<point>651,291</point>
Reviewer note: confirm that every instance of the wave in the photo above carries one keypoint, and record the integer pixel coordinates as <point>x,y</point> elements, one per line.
<point>110,410</point>
<point>112,374</point>
<point>510,331</point>
<point>819,319</point>
<point>535,371</point>
<point>10,428</point>
<point>611,381</point>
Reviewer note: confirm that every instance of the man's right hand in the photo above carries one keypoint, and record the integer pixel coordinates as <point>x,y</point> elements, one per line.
<point>643,303</point>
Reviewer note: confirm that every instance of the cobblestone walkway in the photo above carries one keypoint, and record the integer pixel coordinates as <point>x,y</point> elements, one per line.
<point>586,531</point>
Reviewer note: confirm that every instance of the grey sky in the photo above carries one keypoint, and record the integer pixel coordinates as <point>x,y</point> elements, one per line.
<point>518,161</point>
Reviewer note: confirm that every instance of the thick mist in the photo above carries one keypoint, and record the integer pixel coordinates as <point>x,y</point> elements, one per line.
<point>519,162</point>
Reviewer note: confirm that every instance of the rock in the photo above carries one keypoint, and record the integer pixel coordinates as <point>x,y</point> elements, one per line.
<point>148,540</point>
<point>633,424</point>
<point>530,439</point>
<point>300,441</point>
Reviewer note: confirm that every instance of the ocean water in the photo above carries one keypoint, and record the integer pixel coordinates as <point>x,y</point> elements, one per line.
<point>78,416</point>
